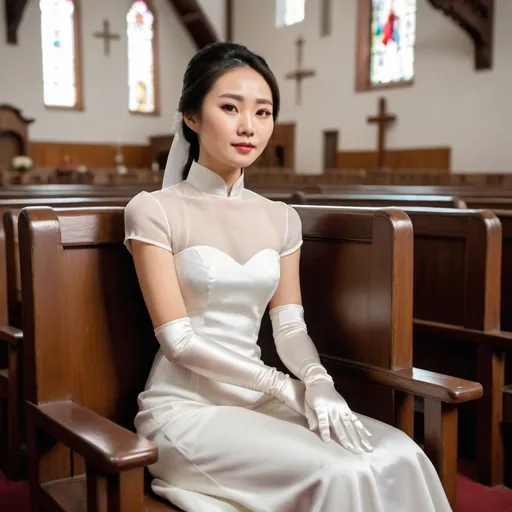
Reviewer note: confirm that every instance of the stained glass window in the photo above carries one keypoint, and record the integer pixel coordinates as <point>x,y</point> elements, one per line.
<point>141,58</point>
<point>393,35</point>
<point>289,12</point>
<point>58,31</point>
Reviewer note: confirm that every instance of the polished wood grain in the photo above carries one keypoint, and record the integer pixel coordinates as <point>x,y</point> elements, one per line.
<point>410,159</point>
<point>53,154</point>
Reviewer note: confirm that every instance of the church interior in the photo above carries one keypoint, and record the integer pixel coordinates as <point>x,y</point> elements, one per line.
<point>392,144</point>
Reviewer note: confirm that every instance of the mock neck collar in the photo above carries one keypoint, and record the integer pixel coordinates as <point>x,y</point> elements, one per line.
<point>210,182</point>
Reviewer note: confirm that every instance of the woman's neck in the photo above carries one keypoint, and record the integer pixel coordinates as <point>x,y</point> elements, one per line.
<point>228,174</point>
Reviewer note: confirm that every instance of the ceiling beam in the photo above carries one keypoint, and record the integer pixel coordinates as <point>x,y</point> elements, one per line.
<point>195,21</point>
<point>476,18</point>
<point>13,14</point>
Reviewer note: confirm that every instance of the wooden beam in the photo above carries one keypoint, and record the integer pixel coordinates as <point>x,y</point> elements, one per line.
<point>229,20</point>
<point>195,21</point>
<point>476,18</point>
<point>13,14</point>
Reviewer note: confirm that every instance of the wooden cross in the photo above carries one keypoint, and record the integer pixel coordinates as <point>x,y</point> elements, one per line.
<point>299,74</point>
<point>382,120</point>
<point>107,36</point>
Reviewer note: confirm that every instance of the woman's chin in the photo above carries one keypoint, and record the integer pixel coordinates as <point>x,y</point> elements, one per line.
<point>243,160</point>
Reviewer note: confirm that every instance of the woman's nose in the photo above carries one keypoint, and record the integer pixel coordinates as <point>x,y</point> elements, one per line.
<point>246,125</point>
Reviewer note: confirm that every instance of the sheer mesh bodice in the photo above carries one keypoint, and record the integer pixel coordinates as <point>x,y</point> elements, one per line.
<point>199,212</point>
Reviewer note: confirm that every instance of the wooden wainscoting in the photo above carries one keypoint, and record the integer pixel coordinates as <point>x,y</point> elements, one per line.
<point>280,151</point>
<point>422,159</point>
<point>51,154</point>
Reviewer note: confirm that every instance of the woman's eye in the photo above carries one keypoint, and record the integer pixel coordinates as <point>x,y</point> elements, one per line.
<point>229,107</point>
<point>264,112</point>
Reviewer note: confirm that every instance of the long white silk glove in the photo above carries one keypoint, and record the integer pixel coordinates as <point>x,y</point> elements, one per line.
<point>325,408</point>
<point>205,357</point>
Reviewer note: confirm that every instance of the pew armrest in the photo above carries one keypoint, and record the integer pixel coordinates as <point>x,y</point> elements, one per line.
<point>12,335</point>
<point>415,381</point>
<point>101,442</point>
<point>498,339</point>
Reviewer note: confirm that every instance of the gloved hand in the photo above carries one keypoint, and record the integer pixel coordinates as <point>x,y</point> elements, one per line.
<point>324,406</point>
<point>326,409</point>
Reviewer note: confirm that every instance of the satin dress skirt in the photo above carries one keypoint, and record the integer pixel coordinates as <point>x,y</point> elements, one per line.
<point>265,459</point>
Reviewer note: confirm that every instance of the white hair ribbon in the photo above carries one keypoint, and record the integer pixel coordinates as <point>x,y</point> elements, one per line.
<point>178,155</point>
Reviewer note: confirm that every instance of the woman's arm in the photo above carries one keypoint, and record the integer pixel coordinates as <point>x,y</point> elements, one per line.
<point>161,290</point>
<point>293,344</point>
<point>324,407</point>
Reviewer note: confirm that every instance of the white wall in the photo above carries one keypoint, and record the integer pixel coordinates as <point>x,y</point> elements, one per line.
<point>450,104</point>
<point>215,11</point>
<point>106,118</point>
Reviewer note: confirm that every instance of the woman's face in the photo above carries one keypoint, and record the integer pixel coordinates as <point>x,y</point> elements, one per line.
<point>236,121</point>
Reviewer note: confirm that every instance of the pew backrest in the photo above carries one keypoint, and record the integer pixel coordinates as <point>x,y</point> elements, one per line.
<point>457,264</point>
<point>505,217</point>
<point>10,309</point>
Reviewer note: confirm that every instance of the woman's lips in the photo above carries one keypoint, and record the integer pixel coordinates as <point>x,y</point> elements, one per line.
<point>244,147</point>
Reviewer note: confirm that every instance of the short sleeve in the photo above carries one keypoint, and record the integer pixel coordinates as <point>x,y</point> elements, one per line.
<point>293,232</point>
<point>145,220</point>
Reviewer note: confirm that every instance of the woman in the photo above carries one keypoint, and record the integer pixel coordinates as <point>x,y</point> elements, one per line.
<point>234,434</point>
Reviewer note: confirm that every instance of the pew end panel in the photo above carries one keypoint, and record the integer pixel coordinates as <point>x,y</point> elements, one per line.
<point>505,217</point>
<point>11,407</point>
<point>457,285</point>
<point>11,373</point>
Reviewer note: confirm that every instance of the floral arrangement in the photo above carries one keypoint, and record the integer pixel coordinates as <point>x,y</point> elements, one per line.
<point>22,163</point>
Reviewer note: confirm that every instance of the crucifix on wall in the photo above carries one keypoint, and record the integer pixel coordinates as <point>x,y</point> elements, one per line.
<point>382,120</point>
<point>107,36</point>
<point>299,74</point>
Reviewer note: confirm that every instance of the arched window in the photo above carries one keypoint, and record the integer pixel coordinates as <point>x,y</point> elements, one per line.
<point>142,67</point>
<point>60,53</point>
<point>289,12</point>
<point>387,36</point>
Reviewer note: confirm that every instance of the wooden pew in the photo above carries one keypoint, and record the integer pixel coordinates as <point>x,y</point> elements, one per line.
<point>457,298</point>
<point>505,218</point>
<point>461,191</point>
<point>364,200</point>
<point>77,274</point>
<point>506,324</point>
<point>11,336</point>
<point>457,261</point>
<point>66,191</point>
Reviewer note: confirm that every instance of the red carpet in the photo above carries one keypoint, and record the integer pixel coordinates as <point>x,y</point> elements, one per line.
<point>472,497</point>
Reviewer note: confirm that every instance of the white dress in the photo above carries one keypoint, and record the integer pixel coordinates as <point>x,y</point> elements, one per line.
<point>224,448</point>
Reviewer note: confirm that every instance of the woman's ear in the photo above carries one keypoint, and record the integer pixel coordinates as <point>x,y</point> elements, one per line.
<point>192,121</point>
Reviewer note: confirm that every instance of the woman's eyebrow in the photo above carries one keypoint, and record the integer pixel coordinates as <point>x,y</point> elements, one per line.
<point>238,97</point>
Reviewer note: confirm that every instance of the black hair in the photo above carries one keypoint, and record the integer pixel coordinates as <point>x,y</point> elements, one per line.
<point>203,70</point>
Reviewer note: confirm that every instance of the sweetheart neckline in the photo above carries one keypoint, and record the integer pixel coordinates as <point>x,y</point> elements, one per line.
<point>195,247</point>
